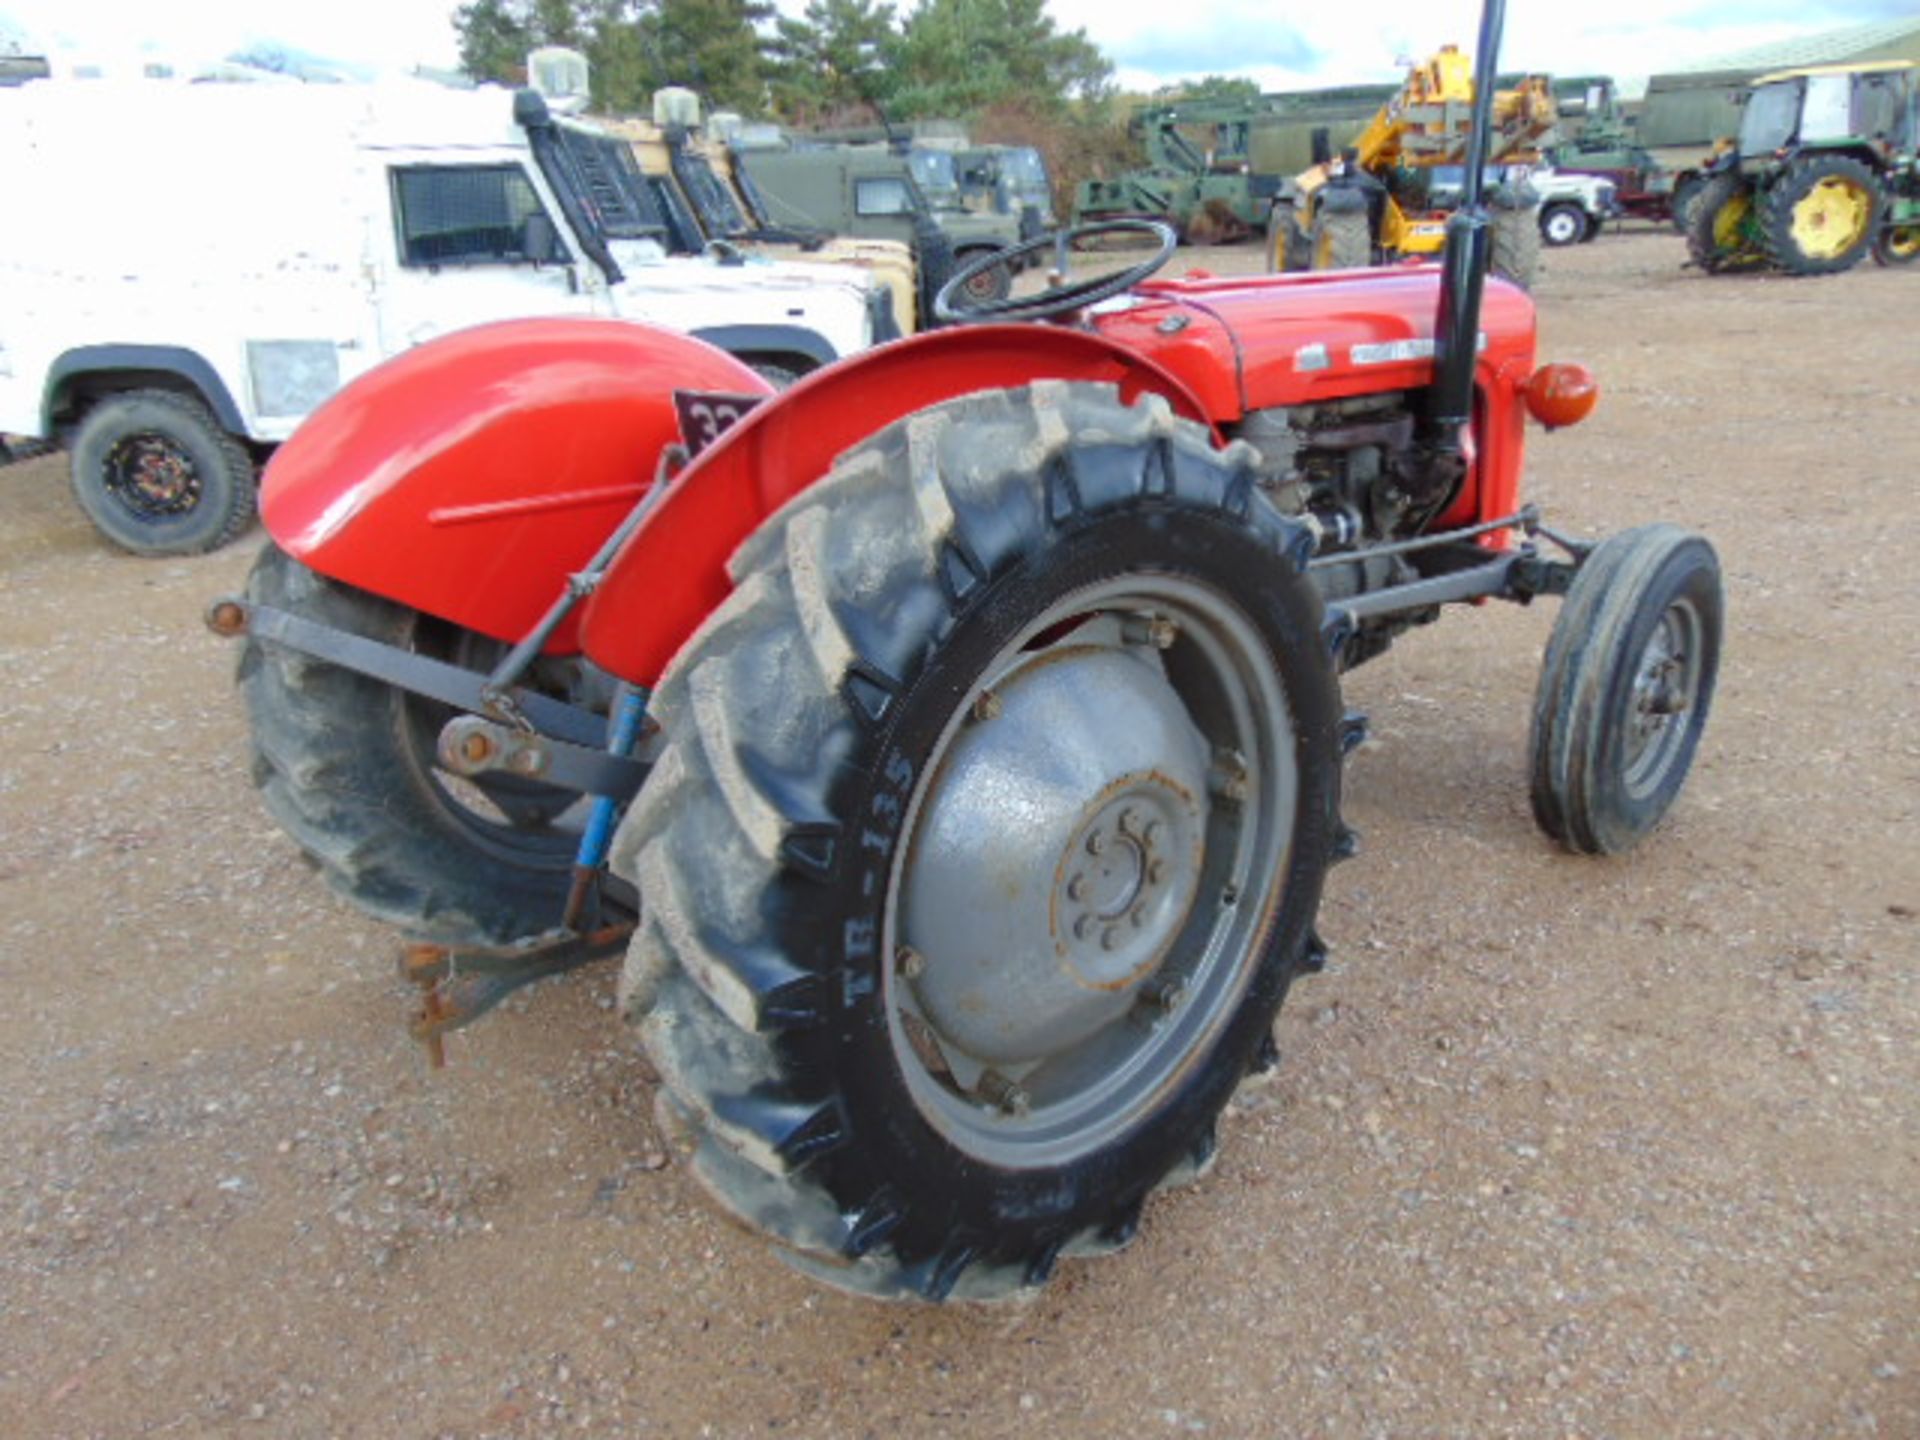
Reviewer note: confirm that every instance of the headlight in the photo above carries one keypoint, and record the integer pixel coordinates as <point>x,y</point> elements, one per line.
<point>291,377</point>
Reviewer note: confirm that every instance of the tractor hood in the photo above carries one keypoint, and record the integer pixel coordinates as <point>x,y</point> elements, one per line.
<point>1252,343</point>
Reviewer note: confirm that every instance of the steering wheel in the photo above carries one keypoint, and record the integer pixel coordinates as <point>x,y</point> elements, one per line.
<point>1061,299</point>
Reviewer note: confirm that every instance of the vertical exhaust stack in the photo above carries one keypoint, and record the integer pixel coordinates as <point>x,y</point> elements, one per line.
<point>1463,271</point>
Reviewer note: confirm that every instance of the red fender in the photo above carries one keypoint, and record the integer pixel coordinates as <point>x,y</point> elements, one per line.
<point>672,572</point>
<point>469,476</point>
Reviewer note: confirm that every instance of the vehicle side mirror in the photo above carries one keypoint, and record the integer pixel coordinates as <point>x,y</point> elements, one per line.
<point>538,241</point>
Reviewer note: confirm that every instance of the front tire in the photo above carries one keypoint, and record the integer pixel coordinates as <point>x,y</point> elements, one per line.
<point>1563,223</point>
<point>158,476</point>
<point>346,764</point>
<point>987,840</point>
<point>993,283</point>
<point>1625,688</point>
<point>1340,240</point>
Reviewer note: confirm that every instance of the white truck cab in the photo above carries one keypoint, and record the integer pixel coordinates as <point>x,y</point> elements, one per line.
<point>204,264</point>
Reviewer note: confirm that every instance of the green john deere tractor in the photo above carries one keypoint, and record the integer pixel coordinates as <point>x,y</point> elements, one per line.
<point>1825,172</point>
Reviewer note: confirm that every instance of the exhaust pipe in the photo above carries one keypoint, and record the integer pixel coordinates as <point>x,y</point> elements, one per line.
<point>1463,269</point>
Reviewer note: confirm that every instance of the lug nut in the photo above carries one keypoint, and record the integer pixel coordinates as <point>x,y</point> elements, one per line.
<point>1164,992</point>
<point>1077,888</point>
<point>1154,630</point>
<point>1110,938</point>
<point>1127,821</point>
<point>1138,916</point>
<point>909,962</point>
<point>1150,832</point>
<point>475,748</point>
<point>1004,1094</point>
<point>1097,843</point>
<point>986,706</point>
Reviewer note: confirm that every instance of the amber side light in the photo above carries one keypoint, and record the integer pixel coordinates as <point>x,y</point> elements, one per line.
<point>1562,394</point>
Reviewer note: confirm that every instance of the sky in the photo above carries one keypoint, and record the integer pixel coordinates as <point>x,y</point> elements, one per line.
<point>1151,42</point>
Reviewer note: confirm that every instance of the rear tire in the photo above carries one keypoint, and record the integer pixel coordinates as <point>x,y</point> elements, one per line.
<point>1515,254</point>
<point>158,476</point>
<point>1625,688</point>
<point>1723,234</point>
<point>1819,217</point>
<point>1340,240</point>
<point>345,764</point>
<point>1686,195</point>
<point>845,934</point>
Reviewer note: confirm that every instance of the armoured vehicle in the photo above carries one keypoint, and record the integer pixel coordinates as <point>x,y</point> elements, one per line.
<point>332,226</point>
<point>876,192</point>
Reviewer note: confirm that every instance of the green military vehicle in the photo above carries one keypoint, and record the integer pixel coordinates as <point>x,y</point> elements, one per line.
<point>878,192</point>
<point>1007,180</point>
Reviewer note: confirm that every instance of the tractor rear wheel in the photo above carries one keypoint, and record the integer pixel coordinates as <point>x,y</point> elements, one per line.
<point>1625,688</point>
<point>987,839</point>
<point>1818,218</point>
<point>346,764</point>
<point>1723,234</point>
<point>1339,240</point>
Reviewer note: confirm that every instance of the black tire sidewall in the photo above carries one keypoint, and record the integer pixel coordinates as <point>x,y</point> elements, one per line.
<point>950,1194</point>
<point>199,529</point>
<point>1605,814</point>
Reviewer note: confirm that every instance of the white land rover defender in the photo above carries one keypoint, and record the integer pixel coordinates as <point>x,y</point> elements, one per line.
<point>202,265</point>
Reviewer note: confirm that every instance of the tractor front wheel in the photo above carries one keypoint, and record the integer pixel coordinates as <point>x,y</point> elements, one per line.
<point>1625,687</point>
<point>1897,245</point>
<point>347,765</point>
<point>1722,234</point>
<point>1819,217</point>
<point>987,839</point>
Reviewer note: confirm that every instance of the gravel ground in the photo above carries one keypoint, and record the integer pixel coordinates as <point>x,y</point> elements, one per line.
<point>1560,1148</point>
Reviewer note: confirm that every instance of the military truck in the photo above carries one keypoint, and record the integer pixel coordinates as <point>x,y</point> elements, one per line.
<point>1658,164</point>
<point>704,208</point>
<point>876,192</point>
<point>1008,180</point>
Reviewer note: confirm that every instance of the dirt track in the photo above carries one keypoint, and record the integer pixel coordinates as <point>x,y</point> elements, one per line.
<point>1560,1148</point>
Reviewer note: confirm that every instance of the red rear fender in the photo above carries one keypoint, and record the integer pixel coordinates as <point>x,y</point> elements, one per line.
<point>469,476</point>
<point>672,573</point>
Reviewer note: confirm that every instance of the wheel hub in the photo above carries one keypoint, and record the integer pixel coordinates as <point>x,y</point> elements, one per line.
<point>152,476</point>
<point>1830,219</point>
<point>1059,856</point>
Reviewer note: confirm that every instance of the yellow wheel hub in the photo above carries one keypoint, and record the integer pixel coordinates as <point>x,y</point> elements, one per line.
<point>1903,242</point>
<point>1831,218</point>
<point>1730,221</point>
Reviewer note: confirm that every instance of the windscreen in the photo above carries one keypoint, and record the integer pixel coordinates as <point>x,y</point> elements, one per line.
<point>934,171</point>
<point>1772,116</point>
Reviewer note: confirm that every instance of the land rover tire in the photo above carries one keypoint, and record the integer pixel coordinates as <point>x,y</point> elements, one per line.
<point>157,475</point>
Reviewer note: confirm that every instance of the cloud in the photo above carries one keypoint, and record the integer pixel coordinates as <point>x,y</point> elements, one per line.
<point>1215,46</point>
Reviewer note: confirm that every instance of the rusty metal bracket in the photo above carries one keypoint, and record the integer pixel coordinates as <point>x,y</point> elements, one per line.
<point>470,745</point>
<point>460,985</point>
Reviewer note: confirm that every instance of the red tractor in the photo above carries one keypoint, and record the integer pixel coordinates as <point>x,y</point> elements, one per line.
<point>951,742</point>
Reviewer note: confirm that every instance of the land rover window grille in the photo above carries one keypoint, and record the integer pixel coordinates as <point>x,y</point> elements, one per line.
<point>601,169</point>
<point>708,195</point>
<point>683,231</point>
<point>470,215</point>
<point>885,195</point>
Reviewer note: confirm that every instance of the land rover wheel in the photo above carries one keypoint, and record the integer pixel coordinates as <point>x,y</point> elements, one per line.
<point>986,842</point>
<point>157,475</point>
<point>1563,223</point>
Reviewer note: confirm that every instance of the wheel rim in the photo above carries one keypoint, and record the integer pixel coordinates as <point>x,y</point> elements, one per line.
<point>1903,242</point>
<point>152,477</point>
<point>1561,227</point>
<point>1729,223</point>
<point>987,285</point>
<point>1075,917</point>
<point>1831,218</point>
<point>515,820</point>
<point>1666,688</point>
